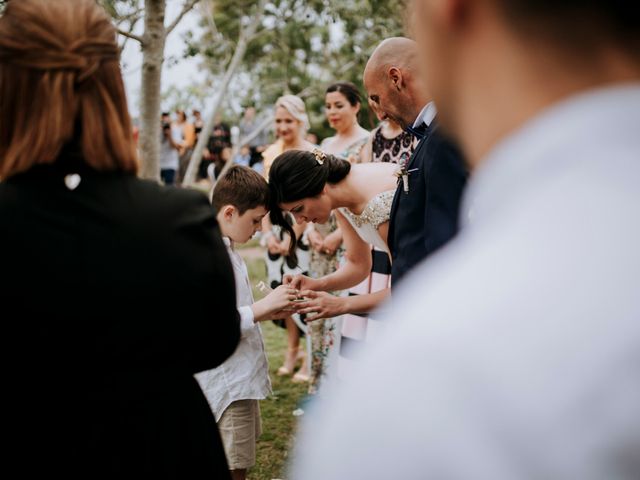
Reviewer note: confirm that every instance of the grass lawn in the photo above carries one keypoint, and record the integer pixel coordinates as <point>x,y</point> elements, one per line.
<point>278,422</point>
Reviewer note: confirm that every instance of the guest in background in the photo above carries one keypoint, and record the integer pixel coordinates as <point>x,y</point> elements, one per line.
<point>388,141</point>
<point>198,123</point>
<point>291,125</point>
<point>243,157</point>
<point>259,143</point>
<point>187,142</point>
<point>312,138</point>
<point>220,138</point>
<point>342,105</point>
<point>169,150</point>
<point>104,274</point>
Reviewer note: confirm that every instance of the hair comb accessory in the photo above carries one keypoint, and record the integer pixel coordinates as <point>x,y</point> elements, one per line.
<point>320,156</point>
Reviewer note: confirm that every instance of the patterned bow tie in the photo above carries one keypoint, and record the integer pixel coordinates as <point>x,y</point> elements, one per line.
<point>419,132</point>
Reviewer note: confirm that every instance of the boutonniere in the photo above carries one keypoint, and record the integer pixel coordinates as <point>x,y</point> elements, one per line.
<point>403,174</point>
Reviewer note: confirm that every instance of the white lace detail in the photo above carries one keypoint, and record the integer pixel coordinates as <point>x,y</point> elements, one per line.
<point>376,212</point>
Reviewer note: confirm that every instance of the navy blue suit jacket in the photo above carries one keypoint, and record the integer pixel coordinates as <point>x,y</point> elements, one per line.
<point>427,217</point>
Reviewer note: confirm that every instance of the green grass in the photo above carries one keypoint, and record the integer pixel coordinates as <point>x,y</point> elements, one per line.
<point>278,422</point>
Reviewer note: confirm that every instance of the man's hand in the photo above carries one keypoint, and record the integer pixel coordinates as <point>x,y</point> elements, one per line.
<point>279,300</point>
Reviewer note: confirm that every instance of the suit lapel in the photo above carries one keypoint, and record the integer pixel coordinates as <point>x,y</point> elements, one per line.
<point>396,196</point>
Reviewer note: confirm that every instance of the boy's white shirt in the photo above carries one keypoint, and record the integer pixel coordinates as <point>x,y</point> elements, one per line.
<point>244,375</point>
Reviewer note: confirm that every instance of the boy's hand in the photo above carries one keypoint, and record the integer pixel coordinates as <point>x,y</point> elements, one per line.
<point>282,298</point>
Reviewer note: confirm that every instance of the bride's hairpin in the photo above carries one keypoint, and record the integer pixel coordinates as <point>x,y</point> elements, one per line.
<point>320,156</point>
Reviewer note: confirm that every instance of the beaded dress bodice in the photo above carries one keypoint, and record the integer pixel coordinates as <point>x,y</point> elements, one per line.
<point>376,212</point>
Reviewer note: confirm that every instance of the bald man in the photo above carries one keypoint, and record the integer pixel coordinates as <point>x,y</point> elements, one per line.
<point>424,214</point>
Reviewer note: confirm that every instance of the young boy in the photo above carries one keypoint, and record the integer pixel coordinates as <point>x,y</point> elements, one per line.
<point>234,388</point>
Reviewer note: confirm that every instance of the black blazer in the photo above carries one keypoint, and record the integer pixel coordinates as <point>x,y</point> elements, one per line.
<point>112,296</point>
<point>427,217</point>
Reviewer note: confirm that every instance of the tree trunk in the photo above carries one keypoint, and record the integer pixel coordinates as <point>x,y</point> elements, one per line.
<point>152,58</point>
<point>241,47</point>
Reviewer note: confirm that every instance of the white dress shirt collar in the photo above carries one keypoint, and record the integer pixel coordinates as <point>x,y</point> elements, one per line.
<point>426,115</point>
<point>539,147</point>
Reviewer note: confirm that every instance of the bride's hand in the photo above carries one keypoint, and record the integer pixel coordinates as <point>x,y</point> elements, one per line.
<point>321,305</point>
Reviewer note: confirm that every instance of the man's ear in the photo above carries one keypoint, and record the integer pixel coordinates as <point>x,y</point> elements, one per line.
<point>395,77</point>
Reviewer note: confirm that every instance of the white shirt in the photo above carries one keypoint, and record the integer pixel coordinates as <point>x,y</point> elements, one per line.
<point>244,375</point>
<point>516,351</point>
<point>426,115</point>
<point>169,157</point>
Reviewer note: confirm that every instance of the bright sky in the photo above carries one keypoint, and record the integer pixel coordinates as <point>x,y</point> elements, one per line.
<point>181,74</point>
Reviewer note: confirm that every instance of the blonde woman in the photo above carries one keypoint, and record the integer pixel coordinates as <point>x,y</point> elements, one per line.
<point>291,125</point>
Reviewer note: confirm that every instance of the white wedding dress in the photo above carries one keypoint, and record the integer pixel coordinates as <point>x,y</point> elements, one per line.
<point>361,328</point>
<point>376,212</point>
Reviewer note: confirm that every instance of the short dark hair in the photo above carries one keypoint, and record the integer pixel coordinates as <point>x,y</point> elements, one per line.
<point>242,187</point>
<point>578,23</point>
<point>297,174</point>
<point>348,89</point>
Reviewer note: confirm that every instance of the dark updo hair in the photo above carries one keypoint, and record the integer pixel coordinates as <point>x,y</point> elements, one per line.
<point>297,174</point>
<point>349,90</point>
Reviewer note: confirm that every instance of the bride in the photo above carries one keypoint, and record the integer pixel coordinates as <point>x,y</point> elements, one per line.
<point>309,185</point>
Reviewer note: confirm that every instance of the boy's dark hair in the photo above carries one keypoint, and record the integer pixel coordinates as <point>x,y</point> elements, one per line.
<point>242,187</point>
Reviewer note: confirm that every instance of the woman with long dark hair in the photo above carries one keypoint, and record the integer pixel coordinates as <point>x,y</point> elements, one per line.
<point>310,186</point>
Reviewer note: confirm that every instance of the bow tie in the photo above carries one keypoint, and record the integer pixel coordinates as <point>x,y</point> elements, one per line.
<point>419,132</point>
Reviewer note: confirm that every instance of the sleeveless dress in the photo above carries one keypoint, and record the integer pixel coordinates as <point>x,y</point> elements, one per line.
<point>391,150</point>
<point>363,327</point>
<point>279,265</point>
<point>325,334</point>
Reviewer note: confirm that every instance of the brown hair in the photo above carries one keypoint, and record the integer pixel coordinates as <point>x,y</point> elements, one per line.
<point>578,24</point>
<point>242,187</point>
<point>60,80</point>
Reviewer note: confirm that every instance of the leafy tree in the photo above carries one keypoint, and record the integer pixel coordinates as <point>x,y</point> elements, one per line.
<point>126,13</point>
<point>302,46</point>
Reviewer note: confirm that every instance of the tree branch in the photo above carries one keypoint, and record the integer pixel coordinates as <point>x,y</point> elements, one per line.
<point>131,36</point>
<point>129,17</point>
<point>188,5</point>
<point>206,10</point>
